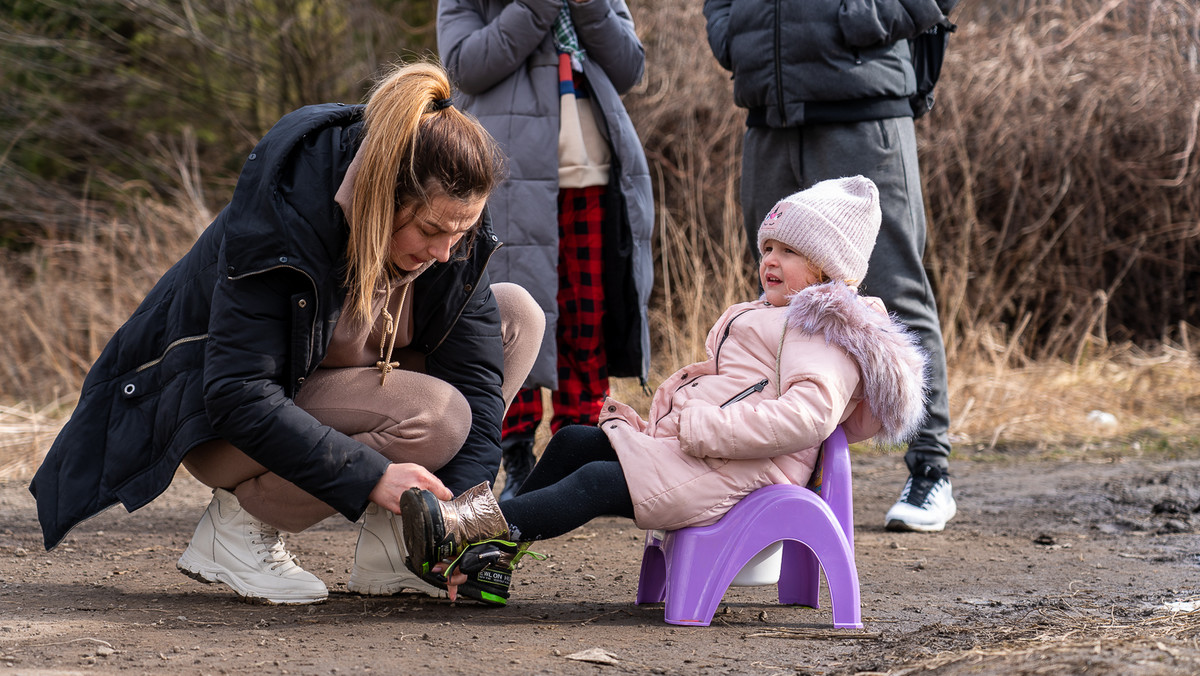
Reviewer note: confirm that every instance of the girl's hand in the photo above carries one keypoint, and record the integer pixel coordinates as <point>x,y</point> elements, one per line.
<point>398,478</point>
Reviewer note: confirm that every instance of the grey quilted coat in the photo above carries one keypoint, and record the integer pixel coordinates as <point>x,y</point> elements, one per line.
<point>501,56</point>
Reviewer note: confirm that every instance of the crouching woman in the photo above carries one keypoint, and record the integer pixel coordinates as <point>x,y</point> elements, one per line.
<point>329,342</point>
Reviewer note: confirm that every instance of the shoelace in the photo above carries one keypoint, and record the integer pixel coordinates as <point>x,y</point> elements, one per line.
<point>924,493</point>
<point>512,563</point>
<point>273,551</point>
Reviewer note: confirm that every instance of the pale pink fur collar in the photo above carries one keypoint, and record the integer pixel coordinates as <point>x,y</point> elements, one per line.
<point>889,355</point>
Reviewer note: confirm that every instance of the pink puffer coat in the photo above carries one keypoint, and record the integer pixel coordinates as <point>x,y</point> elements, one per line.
<point>777,382</point>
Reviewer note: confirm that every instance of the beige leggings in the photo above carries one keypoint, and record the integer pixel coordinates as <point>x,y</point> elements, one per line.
<point>427,429</point>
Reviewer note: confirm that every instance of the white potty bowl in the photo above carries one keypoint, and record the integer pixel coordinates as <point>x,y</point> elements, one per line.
<point>763,569</point>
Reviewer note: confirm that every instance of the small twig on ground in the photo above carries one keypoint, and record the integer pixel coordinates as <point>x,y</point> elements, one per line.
<point>594,618</point>
<point>74,640</point>
<point>814,634</point>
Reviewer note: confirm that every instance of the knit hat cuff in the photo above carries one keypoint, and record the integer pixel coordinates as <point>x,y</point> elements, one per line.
<point>833,224</point>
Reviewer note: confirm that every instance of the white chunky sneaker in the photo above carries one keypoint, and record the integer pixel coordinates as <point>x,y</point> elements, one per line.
<point>925,504</point>
<point>379,568</point>
<point>233,547</point>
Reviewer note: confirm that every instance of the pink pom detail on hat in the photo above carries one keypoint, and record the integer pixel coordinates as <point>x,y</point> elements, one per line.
<point>833,224</point>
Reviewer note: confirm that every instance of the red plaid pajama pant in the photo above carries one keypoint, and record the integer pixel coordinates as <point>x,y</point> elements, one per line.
<point>582,365</point>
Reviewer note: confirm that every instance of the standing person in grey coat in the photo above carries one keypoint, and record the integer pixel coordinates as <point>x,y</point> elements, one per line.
<point>827,86</point>
<point>545,78</point>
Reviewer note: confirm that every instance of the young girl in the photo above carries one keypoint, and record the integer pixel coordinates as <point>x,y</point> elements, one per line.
<point>329,342</point>
<point>782,373</point>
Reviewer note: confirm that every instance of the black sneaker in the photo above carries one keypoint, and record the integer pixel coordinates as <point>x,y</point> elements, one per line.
<point>925,504</point>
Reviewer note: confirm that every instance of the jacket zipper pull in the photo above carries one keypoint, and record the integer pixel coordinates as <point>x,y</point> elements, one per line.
<point>756,387</point>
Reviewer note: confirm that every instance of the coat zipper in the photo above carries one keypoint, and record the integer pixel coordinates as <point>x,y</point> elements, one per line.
<point>174,344</point>
<point>756,387</point>
<point>716,362</point>
<point>778,68</point>
<point>724,337</point>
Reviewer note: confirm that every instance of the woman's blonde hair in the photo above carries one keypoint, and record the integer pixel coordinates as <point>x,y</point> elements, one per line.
<point>415,146</point>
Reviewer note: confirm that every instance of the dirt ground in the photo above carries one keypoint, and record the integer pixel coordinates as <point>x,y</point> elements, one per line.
<point>1052,566</point>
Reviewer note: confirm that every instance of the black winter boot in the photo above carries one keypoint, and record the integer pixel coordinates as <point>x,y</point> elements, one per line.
<point>489,567</point>
<point>517,458</point>
<point>437,530</point>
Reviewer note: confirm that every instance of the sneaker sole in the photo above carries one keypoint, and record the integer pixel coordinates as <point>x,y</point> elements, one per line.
<point>390,584</point>
<point>209,572</point>
<point>419,532</point>
<point>492,595</point>
<point>896,525</point>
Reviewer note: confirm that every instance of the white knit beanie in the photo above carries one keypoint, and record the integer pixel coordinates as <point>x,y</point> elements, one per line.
<point>833,224</point>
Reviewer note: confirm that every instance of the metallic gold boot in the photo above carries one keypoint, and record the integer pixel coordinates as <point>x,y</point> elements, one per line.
<point>436,530</point>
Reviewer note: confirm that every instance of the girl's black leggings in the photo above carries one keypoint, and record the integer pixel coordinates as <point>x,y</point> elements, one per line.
<point>577,479</point>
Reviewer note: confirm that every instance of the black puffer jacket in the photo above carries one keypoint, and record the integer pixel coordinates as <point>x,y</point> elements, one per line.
<point>796,62</point>
<point>221,345</point>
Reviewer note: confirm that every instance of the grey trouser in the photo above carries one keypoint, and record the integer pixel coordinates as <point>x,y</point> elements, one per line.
<point>413,417</point>
<point>779,162</point>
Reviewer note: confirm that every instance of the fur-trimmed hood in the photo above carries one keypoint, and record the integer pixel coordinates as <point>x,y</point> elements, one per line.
<point>893,365</point>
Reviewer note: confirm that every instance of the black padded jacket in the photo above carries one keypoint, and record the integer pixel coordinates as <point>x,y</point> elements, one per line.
<point>223,342</point>
<point>797,62</point>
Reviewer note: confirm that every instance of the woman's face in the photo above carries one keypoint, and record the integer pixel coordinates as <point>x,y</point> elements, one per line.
<point>783,272</point>
<point>423,232</point>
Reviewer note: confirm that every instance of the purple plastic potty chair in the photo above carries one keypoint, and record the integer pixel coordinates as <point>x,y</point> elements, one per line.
<point>691,568</point>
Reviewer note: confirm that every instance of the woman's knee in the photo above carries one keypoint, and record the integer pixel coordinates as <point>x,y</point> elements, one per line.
<point>520,315</point>
<point>522,326</point>
<point>414,417</point>
<point>429,437</point>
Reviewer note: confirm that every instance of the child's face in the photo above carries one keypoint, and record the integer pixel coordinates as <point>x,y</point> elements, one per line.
<point>783,272</point>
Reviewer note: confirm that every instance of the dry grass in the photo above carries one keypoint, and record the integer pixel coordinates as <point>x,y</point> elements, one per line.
<point>1054,406</point>
<point>25,434</point>
<point>1060,170</point>
<point>1075,643</point>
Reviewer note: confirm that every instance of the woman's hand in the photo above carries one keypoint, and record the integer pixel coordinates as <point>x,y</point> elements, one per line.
<point>400,477</point>
<point>452,581</point>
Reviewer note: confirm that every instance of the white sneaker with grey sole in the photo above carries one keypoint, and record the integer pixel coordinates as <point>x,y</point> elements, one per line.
<point>232,547</point>
<point>925,504</point>
<point>379,568</point>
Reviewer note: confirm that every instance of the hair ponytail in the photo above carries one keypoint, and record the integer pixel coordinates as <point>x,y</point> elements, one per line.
<point>414,146</point>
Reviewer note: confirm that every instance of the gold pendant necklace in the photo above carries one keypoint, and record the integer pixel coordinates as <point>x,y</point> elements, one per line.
<point>389,334</point>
